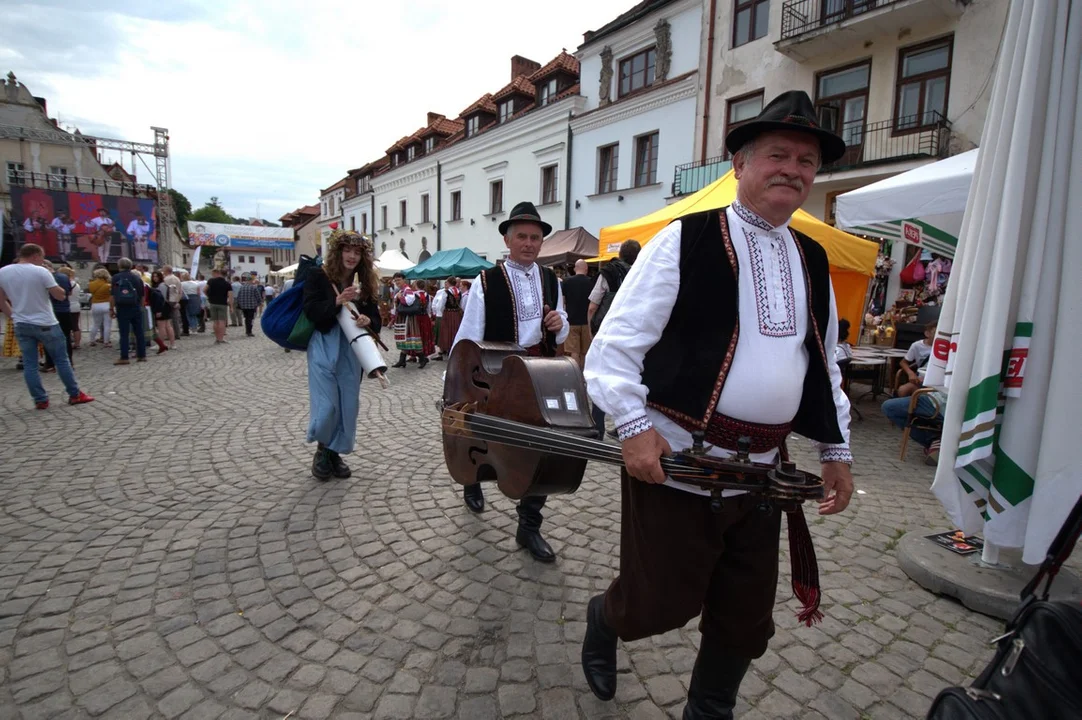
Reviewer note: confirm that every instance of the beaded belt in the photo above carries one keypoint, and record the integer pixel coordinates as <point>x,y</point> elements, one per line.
<point>724,431</point>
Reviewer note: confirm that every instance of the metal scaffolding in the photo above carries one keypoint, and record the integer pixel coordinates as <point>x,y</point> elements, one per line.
<point>159,150</point>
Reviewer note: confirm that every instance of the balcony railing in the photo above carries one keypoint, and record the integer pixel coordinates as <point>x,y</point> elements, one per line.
<point>804,16</point>
<point>692,177</point>
<point>73,183</point>
<point>907,138</point>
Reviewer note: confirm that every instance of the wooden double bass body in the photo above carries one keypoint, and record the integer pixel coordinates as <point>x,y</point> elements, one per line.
<point>500,380</point>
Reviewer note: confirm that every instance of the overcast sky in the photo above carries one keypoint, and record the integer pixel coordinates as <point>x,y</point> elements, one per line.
<point>269,101</point>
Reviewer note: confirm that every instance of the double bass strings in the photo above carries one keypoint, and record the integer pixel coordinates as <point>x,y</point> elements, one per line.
<point>509,432</point>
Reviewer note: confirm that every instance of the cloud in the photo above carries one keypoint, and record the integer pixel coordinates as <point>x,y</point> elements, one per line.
<point>268,102</point>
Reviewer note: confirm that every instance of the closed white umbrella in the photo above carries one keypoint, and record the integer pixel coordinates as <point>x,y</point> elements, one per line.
<point>1008,347</point>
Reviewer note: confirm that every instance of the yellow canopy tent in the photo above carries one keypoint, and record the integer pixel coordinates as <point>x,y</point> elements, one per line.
<point>852,259</point>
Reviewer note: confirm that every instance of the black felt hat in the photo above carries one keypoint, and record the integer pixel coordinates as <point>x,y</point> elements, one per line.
<point>792,110</point>
<point>525,212</point>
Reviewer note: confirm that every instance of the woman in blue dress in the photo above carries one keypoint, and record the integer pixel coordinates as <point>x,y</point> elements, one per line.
<point>347,276</point>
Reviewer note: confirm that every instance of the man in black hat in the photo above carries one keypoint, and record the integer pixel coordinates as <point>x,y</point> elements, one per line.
<point>725,325</point>
<point>518,301</point>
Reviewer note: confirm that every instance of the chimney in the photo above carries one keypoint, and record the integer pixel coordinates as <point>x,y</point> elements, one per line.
<point>44,108</point>
<point>523,66</point>
<point>433,117</point>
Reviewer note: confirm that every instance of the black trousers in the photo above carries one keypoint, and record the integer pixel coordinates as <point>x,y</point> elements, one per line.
<point>249,315</point>
<point>65,320</point>
<point>184,315</point>
<point>529,511</point>
<point>680,559</point>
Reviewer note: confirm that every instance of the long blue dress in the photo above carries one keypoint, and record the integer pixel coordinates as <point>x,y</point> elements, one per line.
<point>334,388</point>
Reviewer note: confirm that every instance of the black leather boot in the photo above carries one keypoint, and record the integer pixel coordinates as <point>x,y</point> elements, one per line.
<point>599,651</point>
<point>529,529</point>
<point>321,464</point>
<point>338,468</point>
<point>422,362</point>
<point>714,684</point>
<point>401,361</point>
<point>474,497</point>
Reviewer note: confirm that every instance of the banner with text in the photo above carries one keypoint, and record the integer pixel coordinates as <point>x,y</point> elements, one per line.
<point>208,234</point>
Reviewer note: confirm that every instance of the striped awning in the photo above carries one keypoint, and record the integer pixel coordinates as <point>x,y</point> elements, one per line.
<point>914,232</point>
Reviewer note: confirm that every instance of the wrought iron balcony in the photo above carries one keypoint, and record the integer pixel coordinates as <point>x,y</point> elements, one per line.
<point>907,138</point>
<point>693,177</point>
<point>807,26</point>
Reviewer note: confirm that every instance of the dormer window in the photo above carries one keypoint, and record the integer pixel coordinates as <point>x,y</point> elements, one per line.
<point>546,92</point>
<point>507,109</point>
<point>473,126</point>
<point>411,152</point>
<point>430,144</point>
<point>394,159</point>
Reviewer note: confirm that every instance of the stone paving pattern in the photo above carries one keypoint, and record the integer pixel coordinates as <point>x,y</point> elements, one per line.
<point>164,553</point>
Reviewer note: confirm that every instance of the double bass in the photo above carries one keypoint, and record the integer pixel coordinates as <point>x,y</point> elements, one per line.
<point>524,423</point>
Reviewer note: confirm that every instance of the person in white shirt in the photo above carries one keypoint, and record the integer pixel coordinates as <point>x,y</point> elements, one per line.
<point>25,291</point>
<point>518,301</point>
<point>64,226</point>
<point>726,326</point>
<point>915,359</point>
<point>103,227</point>
<point>139,232</point>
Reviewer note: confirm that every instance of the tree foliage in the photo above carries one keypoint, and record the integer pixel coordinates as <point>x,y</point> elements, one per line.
<point>182,207</point>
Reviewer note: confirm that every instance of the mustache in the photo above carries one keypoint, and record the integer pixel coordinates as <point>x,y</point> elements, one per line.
<point>795,183</point>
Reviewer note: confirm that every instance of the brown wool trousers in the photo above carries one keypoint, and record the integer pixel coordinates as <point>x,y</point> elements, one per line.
<point>678,559</point>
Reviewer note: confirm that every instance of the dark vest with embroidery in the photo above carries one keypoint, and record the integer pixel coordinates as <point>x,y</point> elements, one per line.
<point>686,370</point>
<point>501,321</point>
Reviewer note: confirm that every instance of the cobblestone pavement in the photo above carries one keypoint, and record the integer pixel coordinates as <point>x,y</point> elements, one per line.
<point>165,553</point>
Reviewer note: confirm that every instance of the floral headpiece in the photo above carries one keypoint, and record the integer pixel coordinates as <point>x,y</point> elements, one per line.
<point>348,237</point>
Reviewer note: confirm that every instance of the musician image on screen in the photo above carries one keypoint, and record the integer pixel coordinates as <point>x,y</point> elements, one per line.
<point>139,232</point>
<point>347,279</point>
<point>102,228</point>
<point>518,301</point>
<point>64,227</point>
<point>719,342</point>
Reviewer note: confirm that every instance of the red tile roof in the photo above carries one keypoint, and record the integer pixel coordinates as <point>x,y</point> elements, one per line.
<point>484,104</point>
<point>443,126</point>
<point>562,62</point>
<point>340,184</point>
<point>520,85</point>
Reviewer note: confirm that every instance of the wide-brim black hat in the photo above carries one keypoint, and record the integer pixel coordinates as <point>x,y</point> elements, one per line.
<point>525,212</point>
<point>794,111</point>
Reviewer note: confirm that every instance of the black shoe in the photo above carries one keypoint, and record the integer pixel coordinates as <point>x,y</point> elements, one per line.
<point>714,684</point>
<point>321,464</point>
<point>338,467</point>
<point>401,361</point>
<point>438,358</point>
<point>422,362</point>
<point>599,651</point>
<point>474,497</point>
<point>540,550</point>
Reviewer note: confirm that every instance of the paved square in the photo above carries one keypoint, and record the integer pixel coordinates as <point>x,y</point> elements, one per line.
<point>165,553</point>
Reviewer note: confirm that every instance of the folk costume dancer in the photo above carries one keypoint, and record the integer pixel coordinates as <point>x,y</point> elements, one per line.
<point>452,317</point>
<point>412,333</point>
<point>765,366</point>
<point>518,301</point>
<point>334,373</point>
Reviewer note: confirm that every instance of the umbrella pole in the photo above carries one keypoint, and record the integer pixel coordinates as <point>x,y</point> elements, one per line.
<point>990,554</point>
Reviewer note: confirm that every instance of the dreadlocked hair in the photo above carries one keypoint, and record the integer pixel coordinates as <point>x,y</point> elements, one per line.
<point>365,272</point>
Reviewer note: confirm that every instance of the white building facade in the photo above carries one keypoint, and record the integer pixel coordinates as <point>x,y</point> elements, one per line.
<point>483,178</point>
<point>640,82</point>
<point>404,202</point>
<point>330,208</point>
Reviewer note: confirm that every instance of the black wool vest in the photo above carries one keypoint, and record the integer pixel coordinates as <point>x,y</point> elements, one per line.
<point>501,322</point>
<point>686,370</point>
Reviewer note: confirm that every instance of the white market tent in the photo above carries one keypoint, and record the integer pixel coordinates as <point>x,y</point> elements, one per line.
<point>286,272</point>
<point>391,261</point>
<point>922,207</point>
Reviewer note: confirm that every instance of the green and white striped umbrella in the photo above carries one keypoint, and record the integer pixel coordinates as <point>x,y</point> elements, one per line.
<point>1008,347</point>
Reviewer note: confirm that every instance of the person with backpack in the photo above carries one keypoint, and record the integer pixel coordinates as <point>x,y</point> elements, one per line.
<point>605,289</point>
<point>126,305</point>
<point>163,314</point>
<point>347,278</point>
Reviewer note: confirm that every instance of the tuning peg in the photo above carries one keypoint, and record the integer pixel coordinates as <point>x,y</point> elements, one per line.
<point>697,438</point>
<point>743,447</point>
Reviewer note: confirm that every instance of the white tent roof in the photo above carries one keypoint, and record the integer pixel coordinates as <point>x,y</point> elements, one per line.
<point>939,188</point>
<point>286,271</point>
<point>392,260</point>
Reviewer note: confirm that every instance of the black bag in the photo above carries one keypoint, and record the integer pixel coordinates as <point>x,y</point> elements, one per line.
<point>1035,673</point>
<point>614,274</point>
<point>417,308</point>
